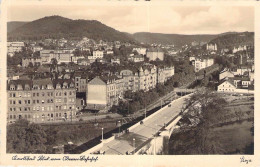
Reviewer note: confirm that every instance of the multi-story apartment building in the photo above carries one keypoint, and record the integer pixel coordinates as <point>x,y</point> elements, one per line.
<point>155,53</point>
<point>202,63</point>
<point>164,73</point>
<point>62,56</point>
<point>80,82</point>
<point>104,92</point>
<point>13,47</point>
<point>212,47</point>
<point>42,100</point>
<point>26,61</point>
<point>97,54</point>
<point>145,77</point>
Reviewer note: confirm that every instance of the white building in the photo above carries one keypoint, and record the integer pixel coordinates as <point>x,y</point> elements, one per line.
<point>226,86</point>
<point>212,47</point>
<point>239,48</point>
<point>203,63</point>
<point>97,54</point>
<point>155,53</point>
<point>13,47</point>
<point>141,51</point>
<point>226,74</point>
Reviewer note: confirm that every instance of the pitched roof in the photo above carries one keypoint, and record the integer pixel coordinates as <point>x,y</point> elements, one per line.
<point>97,81</point>
<point>229,80</point>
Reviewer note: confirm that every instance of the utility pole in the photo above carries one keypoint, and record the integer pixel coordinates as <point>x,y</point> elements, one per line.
<point>134,144</point>
<point>102,134</point>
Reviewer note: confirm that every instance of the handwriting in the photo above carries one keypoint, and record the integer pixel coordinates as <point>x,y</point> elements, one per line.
<point>244,160</point>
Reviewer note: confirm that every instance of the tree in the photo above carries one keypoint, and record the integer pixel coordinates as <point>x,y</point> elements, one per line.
<point>54,64</point>
<point>205,108</point>
<point>25,137</point>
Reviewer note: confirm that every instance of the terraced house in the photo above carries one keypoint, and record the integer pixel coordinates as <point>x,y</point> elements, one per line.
<point>42,100</point>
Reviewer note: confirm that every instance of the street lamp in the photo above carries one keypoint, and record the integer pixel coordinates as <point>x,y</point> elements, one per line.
<point>102,134</point>
<point>134,144</point>
<point>119,126</point>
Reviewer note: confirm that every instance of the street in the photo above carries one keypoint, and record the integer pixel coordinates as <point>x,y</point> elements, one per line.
<point>128,141</point>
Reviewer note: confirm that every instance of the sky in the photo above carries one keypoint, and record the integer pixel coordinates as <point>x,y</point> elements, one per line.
<point>148,18</point>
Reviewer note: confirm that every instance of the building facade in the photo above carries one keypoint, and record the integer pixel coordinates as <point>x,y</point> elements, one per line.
<point>42,100</point>
<point>155,53</point>
<point>104,92</point>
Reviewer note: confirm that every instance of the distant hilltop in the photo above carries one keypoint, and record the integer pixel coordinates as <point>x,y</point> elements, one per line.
<point>61,27</point>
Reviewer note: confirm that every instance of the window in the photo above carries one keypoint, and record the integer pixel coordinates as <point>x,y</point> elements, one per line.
<point>11,109</point>
<point>37,94</point>
<point>43,94</point>
<point>33,94</point>
<point>29,101</point>
<point>11,101</point>
<point>11,117</point>
<point>20,102</point>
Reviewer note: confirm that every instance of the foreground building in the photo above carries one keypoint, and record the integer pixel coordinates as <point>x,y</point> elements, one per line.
<point>42,100</point>
<point>104,92</point>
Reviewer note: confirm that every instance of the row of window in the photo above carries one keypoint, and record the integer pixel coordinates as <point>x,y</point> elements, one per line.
<point>28,94</point>
<point>28,116</point>
<point>39,108</point>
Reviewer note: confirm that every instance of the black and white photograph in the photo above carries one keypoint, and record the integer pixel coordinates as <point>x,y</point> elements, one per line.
<point>138,79</point>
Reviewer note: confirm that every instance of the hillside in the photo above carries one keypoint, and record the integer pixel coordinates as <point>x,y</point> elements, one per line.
<point>14,24</point>
<point>176,39</point>
<point>234,39</point>
<point>59,27</point>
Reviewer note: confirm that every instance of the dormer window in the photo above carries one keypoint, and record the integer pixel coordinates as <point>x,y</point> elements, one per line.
<point>58,86</point>
<point>65,85</point>
<point>35,87</point>
<point>27,87</point>
<point>19,87</point>
<point>43,87</point>
<point>49,86</point>
<point>72,85</point>
<point>12,87</point>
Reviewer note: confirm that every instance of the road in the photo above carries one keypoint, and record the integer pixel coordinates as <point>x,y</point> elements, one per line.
<point>144,132</point>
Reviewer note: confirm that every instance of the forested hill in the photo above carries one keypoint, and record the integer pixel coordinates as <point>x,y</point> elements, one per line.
<point>14,25</point>
<point>60,27</point>
<point>176,39</point>
<point>234,39</point>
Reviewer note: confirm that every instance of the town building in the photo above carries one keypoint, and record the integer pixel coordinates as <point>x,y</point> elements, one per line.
<point>97,54</point>
<point>154,53</point>
<point>104,92</point>
<point>239,48</point>
<point>62,55</point>
<point>164,74</point>
<point>35,61</point>
<point>226,86</point>
<point>81,81</point>
<point>13,47</point>
<point>42,100</point>
<point>141,51</point>
<point>212,47</point>
<point>115,60</point>
<point>226,74</point>
<point>202,63</point>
